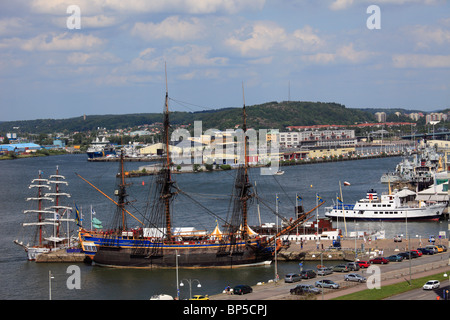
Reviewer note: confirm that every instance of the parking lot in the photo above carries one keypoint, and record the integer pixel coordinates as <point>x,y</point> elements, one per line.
<point>391,270</point>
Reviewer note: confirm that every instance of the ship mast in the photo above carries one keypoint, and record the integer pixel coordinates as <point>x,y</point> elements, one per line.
<point>244,196</point>
<point>40,208</point>
<point>122,193</point>
<point>166,193</point>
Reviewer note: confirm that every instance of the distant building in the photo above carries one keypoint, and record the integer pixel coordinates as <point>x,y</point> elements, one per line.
<point>325,138</point>
<point>20,147</point>
<point>415,116</point>
<point>380,116</point>
<point>435,117</point>
<point>140,133</point>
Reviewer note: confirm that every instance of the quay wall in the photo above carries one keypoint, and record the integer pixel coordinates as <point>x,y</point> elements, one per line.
<point>311,250</point>
<point>62,256</point>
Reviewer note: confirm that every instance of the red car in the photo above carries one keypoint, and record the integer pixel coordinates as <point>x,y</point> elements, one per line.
<point>379,260</point>
<point>363,264</point>
<point>418,252</point>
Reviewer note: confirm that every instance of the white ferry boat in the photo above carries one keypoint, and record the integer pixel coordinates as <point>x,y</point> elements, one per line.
<point>397,206</point>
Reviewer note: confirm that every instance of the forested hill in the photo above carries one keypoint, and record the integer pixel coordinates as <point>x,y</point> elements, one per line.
<point>271,115</point>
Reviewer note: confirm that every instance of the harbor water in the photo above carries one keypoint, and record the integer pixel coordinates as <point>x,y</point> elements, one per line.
<point>22,279</point>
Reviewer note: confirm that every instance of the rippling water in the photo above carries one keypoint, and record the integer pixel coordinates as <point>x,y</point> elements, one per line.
<point>21,279</point>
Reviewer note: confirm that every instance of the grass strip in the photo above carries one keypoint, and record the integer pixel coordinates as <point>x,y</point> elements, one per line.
<point>393,289</point>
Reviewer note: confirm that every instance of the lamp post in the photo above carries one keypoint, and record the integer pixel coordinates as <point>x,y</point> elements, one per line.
<point>446,291</point>
<point>190,281</point>
<point>50,277</point>
<point>178,283</point>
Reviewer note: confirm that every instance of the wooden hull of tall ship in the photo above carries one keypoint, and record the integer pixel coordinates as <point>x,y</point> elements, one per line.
<point>146,254</point>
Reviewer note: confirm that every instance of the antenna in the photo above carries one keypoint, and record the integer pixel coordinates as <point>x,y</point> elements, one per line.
<point>243,94</point>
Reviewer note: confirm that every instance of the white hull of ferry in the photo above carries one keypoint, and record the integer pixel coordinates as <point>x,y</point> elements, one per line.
<point>432,212</point>
<point>398,206</point>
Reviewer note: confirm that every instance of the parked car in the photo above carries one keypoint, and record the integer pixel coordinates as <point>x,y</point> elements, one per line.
<point>432,247</point>
<point>354,277</point>
<point>304,289</point>
<point>353,266</point>
<point>363,264</point>
<point>398,238</point>
<point>292,277</point>
<point>419,253</point>
<point>323,271</point>
<point>414,254</point>
<point>200,297</point>
<point>326,284</point>
<point>308,274</point>
<point>426,251</point>
<point>242,289</point>
<point>380,260</point>
<point>441,246</point>
<point>341,268</point>
<point>405,255</point>
<point>395,258</point>
<point>432,284</point>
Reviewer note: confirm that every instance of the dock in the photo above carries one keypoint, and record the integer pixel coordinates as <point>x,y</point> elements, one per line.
<point>126,159</point>
<point>61,256</point>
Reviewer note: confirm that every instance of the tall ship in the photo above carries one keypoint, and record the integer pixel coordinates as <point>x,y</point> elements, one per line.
<point>158,244</point>
<point>48,226</point>
<point>399,205</point>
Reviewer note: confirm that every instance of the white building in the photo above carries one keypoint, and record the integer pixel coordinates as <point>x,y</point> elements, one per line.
<point>324,138</point>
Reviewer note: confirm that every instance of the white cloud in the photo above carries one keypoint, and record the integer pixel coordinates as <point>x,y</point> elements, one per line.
<point>426,36</point>
<point>94,58</point>
<point>94,7</point>
<point>12,26</point>
<point>54,42</point>
<point>421,61</point>
<point>265,36</point>
<point>344,4</point>
<point>193,56</point>
<point>171,28</point>
<point>341,4</point>
<point>343,54</point>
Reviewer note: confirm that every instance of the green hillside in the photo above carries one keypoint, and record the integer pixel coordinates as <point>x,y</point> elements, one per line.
<point>271,115</point>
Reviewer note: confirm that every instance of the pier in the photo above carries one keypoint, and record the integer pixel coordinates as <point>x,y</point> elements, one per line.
<point>61,256</point>
<point>117,159</point>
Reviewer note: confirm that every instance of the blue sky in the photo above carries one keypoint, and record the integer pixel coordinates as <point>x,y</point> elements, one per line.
<point>320,50</point>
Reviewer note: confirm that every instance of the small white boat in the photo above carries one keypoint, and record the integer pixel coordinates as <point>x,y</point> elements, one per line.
<point>161,297</point>
<point>279,173</point>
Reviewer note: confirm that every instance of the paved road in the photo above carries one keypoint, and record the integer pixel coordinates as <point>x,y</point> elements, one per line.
<point>420,294</point>
<point>393,270</point>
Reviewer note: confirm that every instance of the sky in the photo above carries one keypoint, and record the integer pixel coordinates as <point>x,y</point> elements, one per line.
<point>68,58</point>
